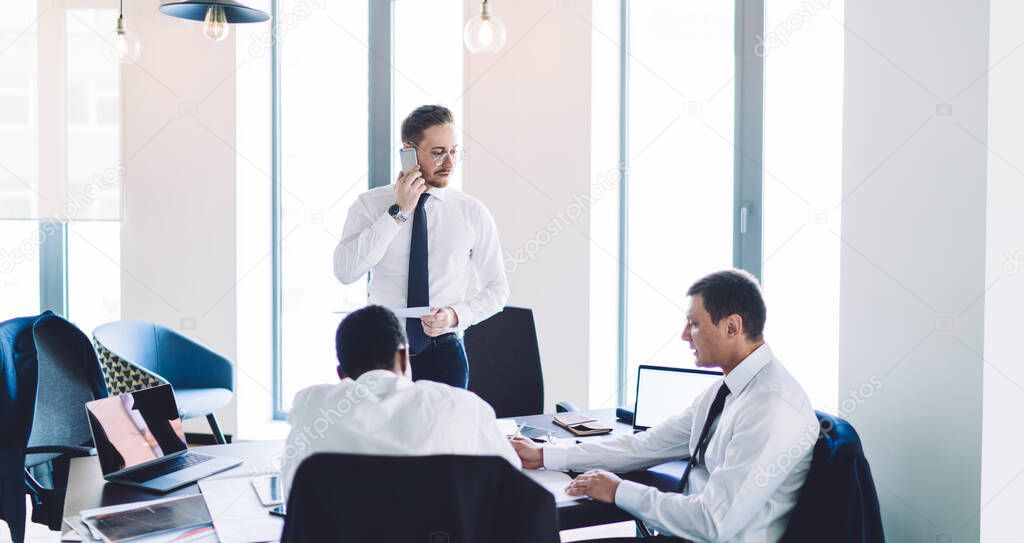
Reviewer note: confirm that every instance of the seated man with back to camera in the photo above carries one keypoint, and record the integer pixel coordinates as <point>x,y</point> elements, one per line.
<point>749,439</point>
<point>377,409</point>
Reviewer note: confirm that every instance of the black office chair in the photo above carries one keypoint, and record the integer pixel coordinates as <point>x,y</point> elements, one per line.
<point>433,499</point>
<point>69,375</point>
<point>504,363</point>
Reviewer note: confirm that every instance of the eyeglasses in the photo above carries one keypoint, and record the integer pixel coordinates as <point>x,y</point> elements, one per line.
<point>438,156</point>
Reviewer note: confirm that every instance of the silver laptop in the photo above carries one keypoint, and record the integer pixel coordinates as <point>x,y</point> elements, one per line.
<point>140,442</point>
<point>662,392</point>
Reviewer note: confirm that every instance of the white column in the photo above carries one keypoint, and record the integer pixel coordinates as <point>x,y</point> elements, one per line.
<point>913,266</point>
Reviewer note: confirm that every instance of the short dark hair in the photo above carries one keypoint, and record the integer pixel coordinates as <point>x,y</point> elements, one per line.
<point>423,118</point>
<point>730,292</point>
<point>367,339</point>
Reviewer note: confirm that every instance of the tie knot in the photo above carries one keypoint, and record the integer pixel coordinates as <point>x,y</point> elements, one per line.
<point>423,198</point>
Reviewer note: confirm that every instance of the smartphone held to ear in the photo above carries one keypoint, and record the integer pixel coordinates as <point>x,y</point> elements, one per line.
<point>408,156</point>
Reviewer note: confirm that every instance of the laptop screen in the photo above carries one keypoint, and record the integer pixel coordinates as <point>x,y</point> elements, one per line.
<point>135,428</point>
<point>662,392</point>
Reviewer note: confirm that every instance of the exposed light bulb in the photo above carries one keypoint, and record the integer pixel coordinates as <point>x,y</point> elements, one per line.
<point>484,33</point>
<point>215,25</point>
<point>126,44</point>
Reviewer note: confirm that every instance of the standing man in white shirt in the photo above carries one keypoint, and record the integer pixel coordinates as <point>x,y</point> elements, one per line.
<point>376,409</point>
<point>749,438</point>
<point>422,242</point>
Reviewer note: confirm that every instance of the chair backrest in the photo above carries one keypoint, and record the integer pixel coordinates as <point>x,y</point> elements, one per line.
<point>171,356</point>
<point>504,363</point>
<point>838,501</point>
<point>69,375</point>
<point>443,499</point>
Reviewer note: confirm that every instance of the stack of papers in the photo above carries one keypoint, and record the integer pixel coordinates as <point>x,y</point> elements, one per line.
<point>554,482</point>
<point>167,520</point>
<point>237,513</point>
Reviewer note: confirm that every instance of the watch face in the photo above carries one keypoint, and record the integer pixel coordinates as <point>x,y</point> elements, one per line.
<point>393,210</point>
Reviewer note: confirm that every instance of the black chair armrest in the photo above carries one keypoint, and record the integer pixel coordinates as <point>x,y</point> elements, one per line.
<point>565,407</point>
<point>71,451</point>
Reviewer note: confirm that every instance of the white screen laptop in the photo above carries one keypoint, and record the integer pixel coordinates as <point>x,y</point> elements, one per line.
<point>662,392</point>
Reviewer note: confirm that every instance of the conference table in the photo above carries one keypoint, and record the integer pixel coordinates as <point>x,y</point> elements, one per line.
<point>87,490</point>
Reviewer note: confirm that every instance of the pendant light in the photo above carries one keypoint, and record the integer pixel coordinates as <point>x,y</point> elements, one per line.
<point>216,15</point>
<point>484,33</point>
<point>126,44</point>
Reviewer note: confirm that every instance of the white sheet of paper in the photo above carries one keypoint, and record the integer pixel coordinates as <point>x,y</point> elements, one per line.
<point>507,427</point>
<point>400,312</point>
<point>554,482</point>
<point>410,312</point>
<point>237,513</point>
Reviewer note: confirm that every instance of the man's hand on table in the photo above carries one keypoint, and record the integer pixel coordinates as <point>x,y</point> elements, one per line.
<point>596,483</point>
<point>529,452</point>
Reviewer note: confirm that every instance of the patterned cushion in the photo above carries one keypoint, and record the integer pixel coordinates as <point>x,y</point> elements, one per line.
<point>123,376</point>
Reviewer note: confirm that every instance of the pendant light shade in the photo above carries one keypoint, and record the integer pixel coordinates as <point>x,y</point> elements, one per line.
<point>216,15</point>
<point>196,10</point>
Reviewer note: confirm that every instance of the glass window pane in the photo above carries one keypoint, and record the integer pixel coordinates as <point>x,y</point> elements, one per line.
<point>803,50</point>
<point>428,61</point>
<point>680,134</point>
<point>94,273</point>
<point>323,131</point>
<point>19,269</point>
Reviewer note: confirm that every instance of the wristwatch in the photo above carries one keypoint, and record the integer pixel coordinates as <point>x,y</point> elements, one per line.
<point>396,213</point>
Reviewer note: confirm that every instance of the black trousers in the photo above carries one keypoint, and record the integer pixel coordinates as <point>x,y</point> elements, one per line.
<point>443,360</point>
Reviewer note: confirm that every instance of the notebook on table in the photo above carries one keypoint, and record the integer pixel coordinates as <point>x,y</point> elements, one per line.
<point>580,424</point>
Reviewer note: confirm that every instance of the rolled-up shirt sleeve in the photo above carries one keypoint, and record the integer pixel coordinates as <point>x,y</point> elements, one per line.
<point>489,268</point>
<point>364,240</point>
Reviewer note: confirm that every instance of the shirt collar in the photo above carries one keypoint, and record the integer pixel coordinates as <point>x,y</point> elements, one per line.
<point>383,381</point>
<point>438,193</point>
<point>745,371</point>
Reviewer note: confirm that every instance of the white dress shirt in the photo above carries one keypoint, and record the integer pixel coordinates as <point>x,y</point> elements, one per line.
<point>756,461</point>
<point>382,413</point>
<point>461,238</point>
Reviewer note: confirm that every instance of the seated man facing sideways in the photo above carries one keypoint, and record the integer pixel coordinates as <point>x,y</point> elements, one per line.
<point>376,409</point>
<point>749,438</point>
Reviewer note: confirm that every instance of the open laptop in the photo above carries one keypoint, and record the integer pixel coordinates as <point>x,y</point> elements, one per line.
<point>662,392</point>
<point>140,442</point>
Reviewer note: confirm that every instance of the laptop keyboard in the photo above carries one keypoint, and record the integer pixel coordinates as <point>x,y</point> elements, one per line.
<point>177,463</point>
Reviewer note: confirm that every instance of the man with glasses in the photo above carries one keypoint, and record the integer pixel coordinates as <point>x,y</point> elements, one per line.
<point>427,245</point>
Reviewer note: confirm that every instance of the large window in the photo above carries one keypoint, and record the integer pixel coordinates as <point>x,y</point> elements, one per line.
<point>691,138</point>
<point>679,140</point>
<point>323,168</point>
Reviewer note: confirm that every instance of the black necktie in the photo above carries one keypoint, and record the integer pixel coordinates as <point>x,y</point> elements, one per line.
<point>705,434</point>
<point>419,276</point>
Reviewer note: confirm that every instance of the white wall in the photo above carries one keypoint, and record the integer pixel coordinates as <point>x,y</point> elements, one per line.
<point>178,234</point>
<point>913,272</point>
<point>1002,448</point>
<point>527,135</point>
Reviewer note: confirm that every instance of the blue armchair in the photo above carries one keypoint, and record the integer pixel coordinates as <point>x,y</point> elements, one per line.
<point>139,354</point>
